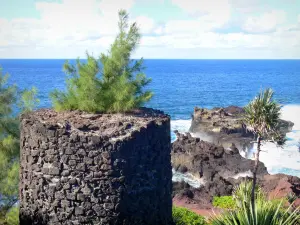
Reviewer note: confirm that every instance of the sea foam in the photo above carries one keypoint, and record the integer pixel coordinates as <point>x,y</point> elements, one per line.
<point>284,159</point>
<point>182,126</point>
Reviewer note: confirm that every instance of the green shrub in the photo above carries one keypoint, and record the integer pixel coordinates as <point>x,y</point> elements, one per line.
<point>182,216</point>
<point>11,99</point>
<point>12,217</point>
<point>224,202</point>
<point>266,212</point>
<point>112,83</point>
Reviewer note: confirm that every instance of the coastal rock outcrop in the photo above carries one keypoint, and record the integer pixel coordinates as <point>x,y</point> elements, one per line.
<point>206,160</point>
<point>219,171</point>
<point>224,126</point>
<point>79,168</point>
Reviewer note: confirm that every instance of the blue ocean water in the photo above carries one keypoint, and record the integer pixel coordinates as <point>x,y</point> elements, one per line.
<point>180,85</point>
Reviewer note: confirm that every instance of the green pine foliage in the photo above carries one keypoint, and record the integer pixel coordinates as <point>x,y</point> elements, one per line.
<point>112,83</point>
<point>10,146</point>
<point>182,216</point>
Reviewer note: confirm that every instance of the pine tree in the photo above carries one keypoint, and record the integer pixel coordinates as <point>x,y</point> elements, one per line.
<point>112,83</point>
<point>9,145</point>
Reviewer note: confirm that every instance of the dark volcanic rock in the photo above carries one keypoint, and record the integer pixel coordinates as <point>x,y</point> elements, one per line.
<point>182,169</point>
<point>206,160</point>
<point>79,168</point>
<point>218,169</point>
<point>213,164</point>
<point>225,126</point>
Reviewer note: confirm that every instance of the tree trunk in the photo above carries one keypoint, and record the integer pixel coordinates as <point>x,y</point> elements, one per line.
<point>254,177</point>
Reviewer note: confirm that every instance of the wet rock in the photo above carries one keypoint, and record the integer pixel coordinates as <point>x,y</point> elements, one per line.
<point>182,169</point>
<point>224,126</point>
<point>206,160</point>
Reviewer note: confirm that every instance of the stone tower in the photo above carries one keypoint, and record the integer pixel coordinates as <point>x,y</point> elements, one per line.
<point>79,168</point>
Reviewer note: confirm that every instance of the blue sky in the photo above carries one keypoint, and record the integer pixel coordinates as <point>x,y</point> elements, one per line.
<point>226,29</point>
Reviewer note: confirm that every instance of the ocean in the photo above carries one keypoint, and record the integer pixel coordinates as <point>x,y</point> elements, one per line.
<point>180,85</point>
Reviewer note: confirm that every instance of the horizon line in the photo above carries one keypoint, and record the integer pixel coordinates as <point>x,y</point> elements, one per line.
<point>156,58</point>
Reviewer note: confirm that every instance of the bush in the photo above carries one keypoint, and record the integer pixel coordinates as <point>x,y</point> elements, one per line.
<point>182,216</point>
<point>12,217</point>
<point>224,202</point>
<point>266,212</point>
<point>112,83</point>
<point>11,100</point>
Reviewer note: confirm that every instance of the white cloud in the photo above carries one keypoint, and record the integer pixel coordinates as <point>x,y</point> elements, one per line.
<point>71,28</point>
<point>189,26</point>
<point>146,24</point>
<point>247,6</point>
<point>266,22</point>
<point>216,13</point>
<point>66,23</point>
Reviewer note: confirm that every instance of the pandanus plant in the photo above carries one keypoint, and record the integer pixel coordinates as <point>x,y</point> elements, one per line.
<point>262,117</point>
<point>266,212</point>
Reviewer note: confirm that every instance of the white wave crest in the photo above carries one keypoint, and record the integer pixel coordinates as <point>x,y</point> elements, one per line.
<point>186,177</point>
<point>292,113</point>
<point>284,159</point>
<point>182,126</point>
<point>277,160</point>
<point>243,174</point>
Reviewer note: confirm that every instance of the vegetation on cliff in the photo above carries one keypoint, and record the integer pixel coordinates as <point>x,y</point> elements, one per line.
<point>112,83</point>
<point>11,99</point>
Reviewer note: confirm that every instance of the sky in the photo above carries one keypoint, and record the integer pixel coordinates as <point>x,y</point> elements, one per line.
<point>180,29</point>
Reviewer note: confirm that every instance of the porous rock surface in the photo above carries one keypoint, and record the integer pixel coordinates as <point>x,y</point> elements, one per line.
<point>219,169</point>
<point>79,168</point>
<point>206,160</point>
<point>224,126</point>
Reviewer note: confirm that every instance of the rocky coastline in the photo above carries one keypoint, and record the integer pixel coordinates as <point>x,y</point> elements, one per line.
<point>215,159</point>
<point>224,126</point>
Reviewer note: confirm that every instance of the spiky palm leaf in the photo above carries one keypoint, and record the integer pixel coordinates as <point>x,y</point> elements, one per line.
<point>262,114</point>
<point>266,212</point>
<point>262,117</point>
<point>242,194</point>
